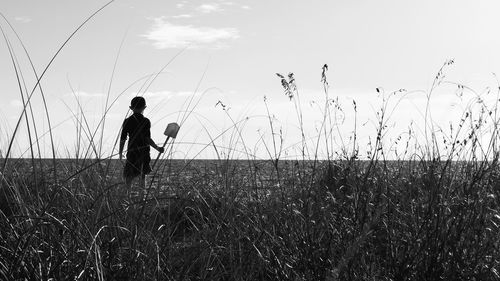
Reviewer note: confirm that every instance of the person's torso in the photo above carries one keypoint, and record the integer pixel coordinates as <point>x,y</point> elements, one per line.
<point>137,127</point>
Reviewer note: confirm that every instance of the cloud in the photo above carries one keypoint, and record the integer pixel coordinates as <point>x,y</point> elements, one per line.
<point>158,94</point>
<point>209,8</point>
<point>23,19</point>
<point>166,35</point>
<point>183,16</point>
<point>246,7</point>
<point>162,94</point>
<point>16,103</point>
<point>85,94</point>
<point>181,5</point>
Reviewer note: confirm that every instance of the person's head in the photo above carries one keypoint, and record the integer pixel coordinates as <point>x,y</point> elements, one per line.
<point>138,104</point>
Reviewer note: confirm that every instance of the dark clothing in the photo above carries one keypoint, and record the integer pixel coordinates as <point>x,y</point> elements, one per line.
<point>138,130</point>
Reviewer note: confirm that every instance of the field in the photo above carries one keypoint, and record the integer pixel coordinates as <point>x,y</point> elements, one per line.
<point>423,204</point>
<point>236,220</point>
<point>428,211</point>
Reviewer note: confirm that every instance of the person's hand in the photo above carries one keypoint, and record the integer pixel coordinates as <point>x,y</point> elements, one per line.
<point>161,149</point>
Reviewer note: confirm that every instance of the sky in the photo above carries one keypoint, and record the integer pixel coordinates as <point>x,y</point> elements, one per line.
<point>228,52</point>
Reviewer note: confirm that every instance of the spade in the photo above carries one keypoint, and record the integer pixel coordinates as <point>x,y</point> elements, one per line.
<point>171,132</point>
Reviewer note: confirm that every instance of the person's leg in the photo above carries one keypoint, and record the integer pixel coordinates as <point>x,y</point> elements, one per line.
<point>128,183</point>
<point>143,177</point>
<point>128,186</point>
<point>128,175</point>
<point>145,169</point>
<point>143,182</point>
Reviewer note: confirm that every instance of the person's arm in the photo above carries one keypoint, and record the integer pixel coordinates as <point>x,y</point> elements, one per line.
<point>150,141</point>
<point>123,138</point>
<point>153,144</point>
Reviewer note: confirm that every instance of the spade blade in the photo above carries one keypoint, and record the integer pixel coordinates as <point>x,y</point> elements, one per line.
<point>172,130</point>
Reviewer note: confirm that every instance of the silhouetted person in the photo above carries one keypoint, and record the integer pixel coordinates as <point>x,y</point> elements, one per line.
<point>138,129</point>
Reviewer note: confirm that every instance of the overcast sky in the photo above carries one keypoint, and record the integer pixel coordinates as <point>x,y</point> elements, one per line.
<point>241,44</point>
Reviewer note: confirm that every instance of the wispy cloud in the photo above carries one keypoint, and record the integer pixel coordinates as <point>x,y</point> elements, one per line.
<point>245,7</point>
<point>84,94</point>
<point>167,35</point>
<point>162,94</point>
<point>209,8</point>
<point>158,94</point>
<point>183,16</point>
<point>23,19</point>
<point>16,103</point>
<point>181,4</point>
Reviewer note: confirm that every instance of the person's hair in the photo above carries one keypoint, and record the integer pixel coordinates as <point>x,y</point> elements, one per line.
<point>137,103</point>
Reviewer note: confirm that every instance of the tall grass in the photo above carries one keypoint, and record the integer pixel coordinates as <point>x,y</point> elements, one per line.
<point>429,212</point>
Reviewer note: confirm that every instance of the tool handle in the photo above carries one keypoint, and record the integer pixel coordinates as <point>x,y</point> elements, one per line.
<point>158,157</point>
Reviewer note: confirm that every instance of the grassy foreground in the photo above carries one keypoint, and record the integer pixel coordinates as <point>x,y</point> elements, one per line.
<point>354,220</point>
<point>425,217</point>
